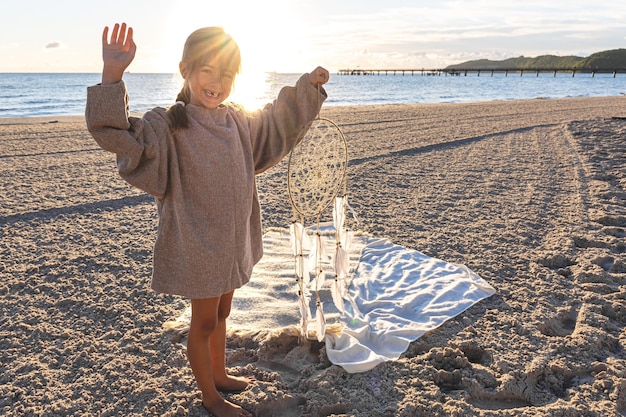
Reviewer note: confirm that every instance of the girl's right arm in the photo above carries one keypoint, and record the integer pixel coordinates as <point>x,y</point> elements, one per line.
<point>117,53</point>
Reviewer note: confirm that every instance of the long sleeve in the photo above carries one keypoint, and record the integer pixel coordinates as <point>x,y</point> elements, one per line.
<point>139,143</point>
<point>279,126</point>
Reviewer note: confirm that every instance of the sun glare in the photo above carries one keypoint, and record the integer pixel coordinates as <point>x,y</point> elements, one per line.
<point>266,39</point>
<point>266,33</point>
<point>257,56</point>
<point>249,90</point>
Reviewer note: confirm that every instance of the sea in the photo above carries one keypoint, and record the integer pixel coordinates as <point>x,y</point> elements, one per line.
<point>60,94</point>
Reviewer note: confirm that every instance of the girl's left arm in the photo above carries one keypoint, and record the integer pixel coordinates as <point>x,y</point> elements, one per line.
<point>318,77</point>
<point>279,126</point>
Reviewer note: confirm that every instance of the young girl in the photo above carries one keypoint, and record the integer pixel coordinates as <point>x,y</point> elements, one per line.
<point>199,159</point>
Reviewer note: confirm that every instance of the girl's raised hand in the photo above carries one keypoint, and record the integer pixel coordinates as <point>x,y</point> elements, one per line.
<point>318,76</point>
<point>117,53</point>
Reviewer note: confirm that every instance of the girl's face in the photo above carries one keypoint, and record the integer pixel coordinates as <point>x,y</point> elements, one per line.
<point>209,84</point>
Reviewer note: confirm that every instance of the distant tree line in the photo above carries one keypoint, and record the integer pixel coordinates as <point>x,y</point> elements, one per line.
<point>604,60</point>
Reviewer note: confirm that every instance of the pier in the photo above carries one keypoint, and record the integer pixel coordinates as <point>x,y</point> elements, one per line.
<point>478,71</point>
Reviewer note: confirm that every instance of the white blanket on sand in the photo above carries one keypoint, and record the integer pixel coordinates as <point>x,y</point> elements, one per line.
<point>395,296</point>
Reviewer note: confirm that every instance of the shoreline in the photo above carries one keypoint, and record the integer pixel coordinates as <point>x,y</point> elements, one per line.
<point>42,119</point>
<point>528,194</point>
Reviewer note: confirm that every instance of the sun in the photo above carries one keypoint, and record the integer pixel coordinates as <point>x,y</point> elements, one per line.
<point>250,84</point>
<point>265,31</point>
<point>265,44</point>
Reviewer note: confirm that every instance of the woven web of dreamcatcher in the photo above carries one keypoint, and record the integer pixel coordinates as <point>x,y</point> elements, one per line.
<point>316,178</point>
<point>317,168</point>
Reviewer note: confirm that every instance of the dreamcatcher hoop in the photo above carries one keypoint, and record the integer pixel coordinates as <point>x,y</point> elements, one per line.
<point>317,168</point>
<point>316,175</point>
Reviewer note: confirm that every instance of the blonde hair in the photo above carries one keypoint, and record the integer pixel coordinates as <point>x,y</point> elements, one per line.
<point>202,45</point>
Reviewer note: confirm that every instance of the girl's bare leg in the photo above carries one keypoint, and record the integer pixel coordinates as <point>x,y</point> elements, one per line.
<point>223,381</point>
<point>204,318</point>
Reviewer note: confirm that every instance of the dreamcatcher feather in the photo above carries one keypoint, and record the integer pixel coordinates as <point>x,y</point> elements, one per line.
<point>316,177</point>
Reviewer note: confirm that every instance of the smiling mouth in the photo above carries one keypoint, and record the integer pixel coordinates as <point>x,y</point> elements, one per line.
<point>212,94</point>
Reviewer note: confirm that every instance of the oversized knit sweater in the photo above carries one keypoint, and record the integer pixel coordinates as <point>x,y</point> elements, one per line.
<point>203,179</point>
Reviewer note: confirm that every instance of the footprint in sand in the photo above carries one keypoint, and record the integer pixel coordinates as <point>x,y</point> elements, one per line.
<point>562,325</point>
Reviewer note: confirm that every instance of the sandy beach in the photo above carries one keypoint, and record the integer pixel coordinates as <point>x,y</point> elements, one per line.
<point>531,195</point>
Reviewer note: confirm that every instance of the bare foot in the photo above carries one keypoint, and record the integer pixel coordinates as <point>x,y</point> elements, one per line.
<point>233,383</point>
<point>225,408</point>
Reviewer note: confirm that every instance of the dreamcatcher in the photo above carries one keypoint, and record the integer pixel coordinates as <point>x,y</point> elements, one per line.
<point>316,181</point>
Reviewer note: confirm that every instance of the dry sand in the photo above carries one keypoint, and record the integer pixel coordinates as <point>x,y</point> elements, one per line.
<point>528,194</point>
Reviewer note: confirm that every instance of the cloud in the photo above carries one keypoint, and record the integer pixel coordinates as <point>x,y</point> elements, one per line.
<point>54,45</point>
<point>444,32</point>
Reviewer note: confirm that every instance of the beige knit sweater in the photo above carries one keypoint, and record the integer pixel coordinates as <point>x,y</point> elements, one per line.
<point>203,178</point>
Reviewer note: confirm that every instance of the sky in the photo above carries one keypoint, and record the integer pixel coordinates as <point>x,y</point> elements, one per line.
<point>296,36</point>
